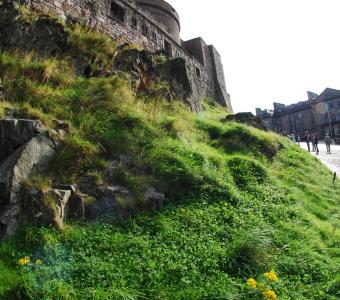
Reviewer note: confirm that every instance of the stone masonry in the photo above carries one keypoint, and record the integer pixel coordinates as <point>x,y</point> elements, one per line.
<point>155,26</point>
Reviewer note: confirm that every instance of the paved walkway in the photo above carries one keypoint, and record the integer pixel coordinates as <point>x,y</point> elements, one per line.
<point>332,160</point>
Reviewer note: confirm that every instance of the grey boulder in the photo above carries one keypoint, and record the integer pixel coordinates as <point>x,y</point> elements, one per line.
<point>47,208</point>
<point>32,157</point>
<point>15,133</point>
<point>112,200</point>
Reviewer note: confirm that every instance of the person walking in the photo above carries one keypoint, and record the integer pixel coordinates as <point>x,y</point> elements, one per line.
<point>328,143</point>
<point>316,143</point>
<point>298,138</point>
<point>307,138</point>
<point>312,138</point>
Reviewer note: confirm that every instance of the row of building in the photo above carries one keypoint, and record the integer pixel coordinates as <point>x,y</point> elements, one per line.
<point>320,113</point>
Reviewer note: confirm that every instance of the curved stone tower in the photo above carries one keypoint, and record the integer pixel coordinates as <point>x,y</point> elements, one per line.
<point>165,14</point>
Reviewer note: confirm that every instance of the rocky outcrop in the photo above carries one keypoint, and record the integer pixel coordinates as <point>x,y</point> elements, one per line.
<point>112,200</point>
<point>154,199</point>
<point>175,72</point>
<point>25,149</point>
<point>16,132</point>
<point>46,207</point>
<point>144,71</point>
<point>248,119</point>
<point>43,35</point>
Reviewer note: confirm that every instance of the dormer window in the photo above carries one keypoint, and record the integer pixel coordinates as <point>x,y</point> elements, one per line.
<point>117,12</point>
<point>134,22</point>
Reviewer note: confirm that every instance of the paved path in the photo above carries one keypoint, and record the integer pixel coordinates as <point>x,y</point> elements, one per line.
<point>332,160</point>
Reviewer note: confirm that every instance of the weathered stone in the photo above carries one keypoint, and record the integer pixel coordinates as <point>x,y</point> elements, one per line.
<point>76,207</point>
<point>247,118</point>
<point>154,199</point>
<point>16,132</point>
<point>175,72</point>
<point>10,112</point>
<point>87,185</point>
<point>45,35</point>
<point>32,157</point>
<point>65,187</point>
<point>112,200</point>
<point>46,208</point>
<point>143,70</point>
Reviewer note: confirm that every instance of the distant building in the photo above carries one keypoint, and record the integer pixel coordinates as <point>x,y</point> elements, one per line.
<point>320,113</point>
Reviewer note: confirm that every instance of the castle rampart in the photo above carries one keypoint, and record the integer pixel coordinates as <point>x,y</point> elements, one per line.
<point>152,24</point>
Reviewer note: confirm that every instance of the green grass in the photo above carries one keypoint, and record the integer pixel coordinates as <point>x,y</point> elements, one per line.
<point>240,202</point>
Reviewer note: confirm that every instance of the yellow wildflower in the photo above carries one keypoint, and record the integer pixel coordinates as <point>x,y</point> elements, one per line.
<point>269,295</point>
<point>271,276</point>
<point>251,282</point>
<point>24,261</point>
<point>38,262</point>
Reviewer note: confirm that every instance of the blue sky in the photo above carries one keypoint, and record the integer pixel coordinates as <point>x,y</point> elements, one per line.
<point>272,50</point>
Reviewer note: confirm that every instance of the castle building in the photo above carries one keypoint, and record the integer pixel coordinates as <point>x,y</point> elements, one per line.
<point>320,113</point>
<point>154,25</point>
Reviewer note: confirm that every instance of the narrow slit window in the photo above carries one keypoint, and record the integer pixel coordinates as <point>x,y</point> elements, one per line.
<point>154,36</point>
<point>145,30</point>
<point>134,23</point>
<point>167,48</point>
<point>198,73</point>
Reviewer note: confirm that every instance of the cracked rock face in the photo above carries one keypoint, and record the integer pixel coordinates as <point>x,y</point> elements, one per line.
<point>16,132</point>
<point>44,34</point>
<point>112,200</point>
<point>24,151</point>
<point>46,208</point>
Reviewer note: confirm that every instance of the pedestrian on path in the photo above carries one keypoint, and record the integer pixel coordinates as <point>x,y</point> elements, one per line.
<point>316,143</point>
<point>328,143</point>
<point>307,138</point>
<point>312,138</point>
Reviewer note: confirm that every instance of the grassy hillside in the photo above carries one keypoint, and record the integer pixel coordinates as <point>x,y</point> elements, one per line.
<point>241,202</point>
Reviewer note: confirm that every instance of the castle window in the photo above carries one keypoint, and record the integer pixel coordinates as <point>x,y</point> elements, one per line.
<point>154,36</point>
<point>198,73</point>
<point>167,48</point>
<point>134,22</point>
<point>145,30</point>
<point>117,12</point>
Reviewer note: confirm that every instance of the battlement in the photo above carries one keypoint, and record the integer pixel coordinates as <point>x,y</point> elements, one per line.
<point>152,24</point>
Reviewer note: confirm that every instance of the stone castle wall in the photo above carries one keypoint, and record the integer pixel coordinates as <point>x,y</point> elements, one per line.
<point>154,25</point>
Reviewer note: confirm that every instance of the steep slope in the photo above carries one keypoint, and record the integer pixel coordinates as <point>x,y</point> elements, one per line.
<point>240,201</point>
